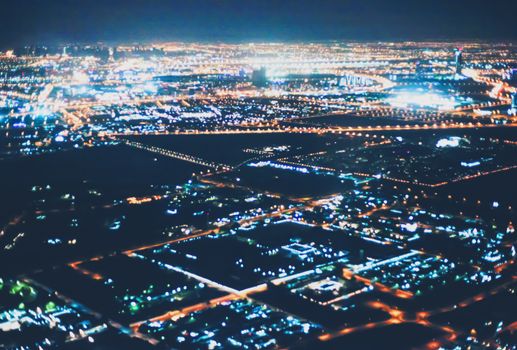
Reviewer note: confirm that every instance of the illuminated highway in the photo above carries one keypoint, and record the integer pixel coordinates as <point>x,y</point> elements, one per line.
<point>177,155</point>
<point>326,130</point>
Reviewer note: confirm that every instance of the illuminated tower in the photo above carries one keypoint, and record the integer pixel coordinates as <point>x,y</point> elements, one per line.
<point>111,55</point>
<point>458,55</point>
<point>259,77</point>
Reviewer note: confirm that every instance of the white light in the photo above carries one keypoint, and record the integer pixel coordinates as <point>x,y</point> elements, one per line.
<point>448,142</point>
<point>80,78</point>
<point>422,100</point>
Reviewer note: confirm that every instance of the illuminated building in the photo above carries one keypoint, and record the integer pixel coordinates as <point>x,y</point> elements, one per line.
<point>458,55</point>
<point>513,107</point>
<point>259,77</point>
<point>512,76</point>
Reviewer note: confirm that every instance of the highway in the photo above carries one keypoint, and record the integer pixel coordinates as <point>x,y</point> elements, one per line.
<point>322,130</point>
<point>177,155</point>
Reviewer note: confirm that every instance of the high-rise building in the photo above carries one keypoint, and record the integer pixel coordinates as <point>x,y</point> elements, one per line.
<point>513,76</point>
<point>458,55</point>
<point>514,101</point>
<point>111,54</point>
<point>259,77</point>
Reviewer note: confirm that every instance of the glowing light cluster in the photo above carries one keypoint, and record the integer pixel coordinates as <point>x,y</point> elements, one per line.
<point>422,100</point>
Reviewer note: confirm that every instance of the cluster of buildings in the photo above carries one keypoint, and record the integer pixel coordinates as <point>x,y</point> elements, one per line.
<point>257,195</point>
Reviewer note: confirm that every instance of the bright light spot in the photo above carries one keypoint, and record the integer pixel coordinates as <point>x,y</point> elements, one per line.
<point>421,100</point>
<point>453,141</point>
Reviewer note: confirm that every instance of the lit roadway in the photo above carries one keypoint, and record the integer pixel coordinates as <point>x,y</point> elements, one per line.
<point>177,155</point>
<point>232,293</point>
<point>319,130</point>
<point>397,316</point>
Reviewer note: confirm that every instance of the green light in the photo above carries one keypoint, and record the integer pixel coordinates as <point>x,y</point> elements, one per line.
<point>50,307</point>
<point>134,307</point>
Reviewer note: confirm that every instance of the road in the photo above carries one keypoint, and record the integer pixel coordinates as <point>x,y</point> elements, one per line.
<point>177,155</point>
<point>322,130</point>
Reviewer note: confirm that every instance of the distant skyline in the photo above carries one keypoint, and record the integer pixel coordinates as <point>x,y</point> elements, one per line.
<point>25,22</point>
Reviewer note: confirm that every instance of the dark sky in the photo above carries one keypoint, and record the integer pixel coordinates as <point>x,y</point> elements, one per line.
<point>37,21</point>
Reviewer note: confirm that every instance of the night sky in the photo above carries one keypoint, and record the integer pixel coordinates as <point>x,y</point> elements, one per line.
<point>57,21</point>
